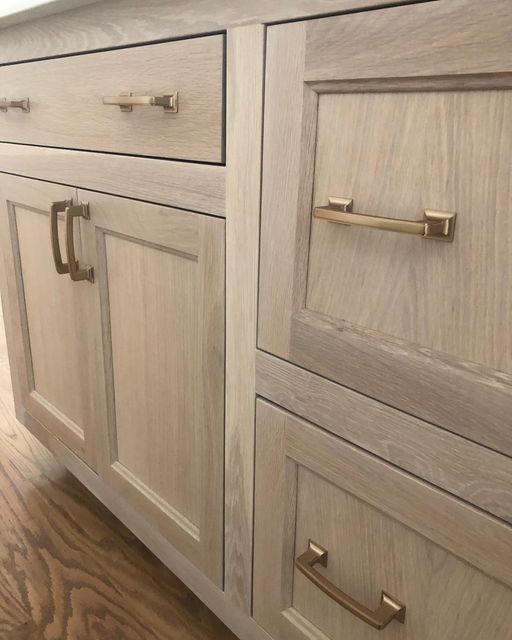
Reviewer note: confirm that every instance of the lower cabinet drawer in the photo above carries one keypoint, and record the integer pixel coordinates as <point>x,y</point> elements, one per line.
<point>377,547</point>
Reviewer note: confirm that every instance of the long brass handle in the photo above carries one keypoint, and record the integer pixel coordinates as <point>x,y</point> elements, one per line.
<point>23,104</point>
<point>388,610</point>
<point>76,274</point>
<point>436,225</point>
<point>126,101</point>
<point>55,209</point>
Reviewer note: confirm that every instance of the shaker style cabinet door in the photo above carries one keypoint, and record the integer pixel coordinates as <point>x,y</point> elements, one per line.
<point>386,261</point>
<point>51,336</point>
<point>159,275</point>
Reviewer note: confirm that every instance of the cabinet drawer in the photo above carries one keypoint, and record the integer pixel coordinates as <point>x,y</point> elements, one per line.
<point>420,323</point>
<point>385,531</point>
<point>67,110</point>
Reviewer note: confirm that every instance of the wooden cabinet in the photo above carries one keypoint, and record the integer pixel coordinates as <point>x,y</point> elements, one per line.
<point>126,366</point>
<point>398,122</point>
<point>159,278</point>
<point>52,337</point>
<point>446,563</point>
<point>70,114</point>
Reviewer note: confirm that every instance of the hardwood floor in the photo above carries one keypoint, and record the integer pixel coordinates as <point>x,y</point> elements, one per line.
<point>69,570</point>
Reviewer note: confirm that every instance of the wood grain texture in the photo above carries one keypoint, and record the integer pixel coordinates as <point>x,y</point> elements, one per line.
<point>15,16</point>
<point>198,187</point>
<point>67,113</point>
<point>50,337</point>
<point>244,119</point>
<point>378,149</point>
<point>114,23</point>
<point>470,401</point>
<point>160,305</point>
<point>436,39</point>
<point>463,468</point>
<point>213,597</point>
<point>69,568</point>
<point>369,552</point>
<point>384,530</point>
<point>463,387</point>
<point>288,165</point>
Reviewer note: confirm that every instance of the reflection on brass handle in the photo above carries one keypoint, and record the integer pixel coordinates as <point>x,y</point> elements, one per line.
<point>388,610</point>
<point>436,225</point>
<point>23,104</point>
<point>55,209</point>
<point>77,274</point>
<point>126,101</point>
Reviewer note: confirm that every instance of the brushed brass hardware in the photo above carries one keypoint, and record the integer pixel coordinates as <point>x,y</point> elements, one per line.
<point>436,225</point>
<point>55,209</point>
<point>388,610</point>
<point>76,211</point>
<point>23,104</point>
<point>126,101</point>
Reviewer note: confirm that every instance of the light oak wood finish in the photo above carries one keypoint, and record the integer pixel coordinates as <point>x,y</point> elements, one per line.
<point>49,332</point>
<point>384,530</point>
<point>115,23</point>
<point>186,185</point>
<point>160,304</point>
<point>469,471</point>
<point>67,113</point>
<point>419,325</point>
<point>245,56</point>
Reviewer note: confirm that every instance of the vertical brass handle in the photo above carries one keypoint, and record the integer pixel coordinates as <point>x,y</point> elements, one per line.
<point>388,610</point>
<point>55,209</point>
<point>76,274</point>
<point>23,104</point>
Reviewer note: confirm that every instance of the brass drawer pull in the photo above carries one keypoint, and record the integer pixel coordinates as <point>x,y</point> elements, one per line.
<point>55,209</point>
<point>72,212</point>
<point>126,101</point>
<point>388,610</point>
<point>23,104</point>
<point>436,225</point>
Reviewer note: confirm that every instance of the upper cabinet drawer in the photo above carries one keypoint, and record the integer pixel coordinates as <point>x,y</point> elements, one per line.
<point>66,101</point>
<point>388,115</point>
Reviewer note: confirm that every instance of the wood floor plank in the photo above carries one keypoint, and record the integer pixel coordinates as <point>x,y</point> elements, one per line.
<point>69,570</point>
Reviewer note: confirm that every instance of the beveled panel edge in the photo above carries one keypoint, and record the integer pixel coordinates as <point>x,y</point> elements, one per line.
<point>184,185</point>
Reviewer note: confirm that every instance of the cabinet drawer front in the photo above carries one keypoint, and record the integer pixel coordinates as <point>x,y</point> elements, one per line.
<point>67,110</point>
<point>419,323</point>
<point>384,530</point>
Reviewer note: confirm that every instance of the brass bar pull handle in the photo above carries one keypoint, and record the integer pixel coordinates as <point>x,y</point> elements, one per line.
<point>23,104</point>
<point>55,209</point>
<point>126,101</point>
<point>388,610</point>
<point>76,274</point>
<point>436,225</point>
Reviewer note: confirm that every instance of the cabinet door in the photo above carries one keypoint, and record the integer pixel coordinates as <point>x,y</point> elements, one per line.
<point>50,336</point>
<point>381,530</point>
<point>387,109</point>
<point>160,275</point>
